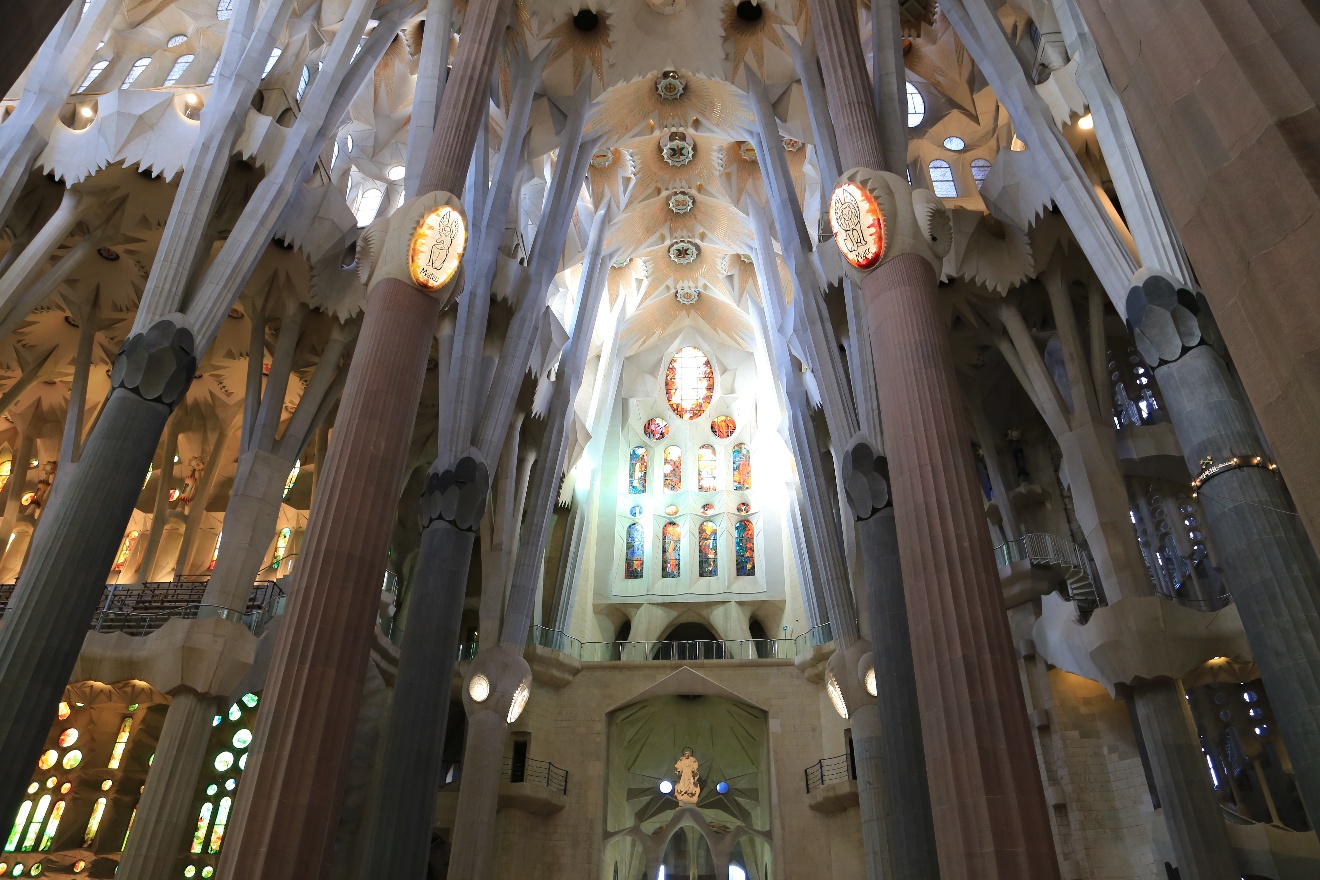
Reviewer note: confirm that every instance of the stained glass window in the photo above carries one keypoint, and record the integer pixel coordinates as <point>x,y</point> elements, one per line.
<point>689,383</point>
<point>671,550</point>
<point>281,547</point>
<point>742,467</point>
<point>708,551</point>
<point>656,429</point>
<point>980,171</point>
<point>744,547</point>
<point>231,735</point>
<point>673,469</point>
<point>723,427</point>
<point>941,180</point>
<point>121,743</point>
<point>215,553</point>
<point>707,462</point>
<point>634,552</point>
<point>6,468</point>
<point>637,471</point>
<point>125,550</point>
<point>292,478</point>
<point>94,822</point>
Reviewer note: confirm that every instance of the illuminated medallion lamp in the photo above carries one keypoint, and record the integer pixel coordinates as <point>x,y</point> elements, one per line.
<point>421,244</point>
<point>866,672</point>
<point>520,698</point>
<point>858,225</point>
<point>836,696</point>
<point>479,688</point>
<point>677,149</point>
<point>682,202</point>
<point>666,787</point>
<point>670,86</point>
<point>686,294</point>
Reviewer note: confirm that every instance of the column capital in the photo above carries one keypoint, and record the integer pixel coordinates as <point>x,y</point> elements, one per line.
<point>866,480</point>
<point>499,681</point>
<point>158,363</point>
<point>852,671</point>
<point>1167,318</point>
<point>458,494</point>
<point>877,216</point>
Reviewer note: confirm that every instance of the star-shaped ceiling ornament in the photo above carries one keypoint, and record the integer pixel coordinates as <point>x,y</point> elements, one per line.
<point>748,30</point>
<point>704,217</point>
<point>671,99</point>
<point>653,173</point>
<point>583,36</point>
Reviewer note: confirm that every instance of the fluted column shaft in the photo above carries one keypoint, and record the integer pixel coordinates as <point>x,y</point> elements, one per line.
<point>288,807</point>
<point>164,814</point>
<point>399,838</point>
<point>1269,563</point>
<point>847,84</point>
<point>989,811</point>
<point>483,755</point>
<point>1196,828</point>
<point>62,583</point>
<point>906,796</point>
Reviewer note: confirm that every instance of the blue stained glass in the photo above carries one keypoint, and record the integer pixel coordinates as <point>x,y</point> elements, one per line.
<point>634,552</point>
<point>637,471</point>
<point>744,547</point>
<point>708,552</point>
<point>635,510</point>
<point>742,467</point>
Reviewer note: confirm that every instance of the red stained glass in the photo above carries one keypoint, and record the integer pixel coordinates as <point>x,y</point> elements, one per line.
<point>689,383</point>
<point>656,429</point>
<point>723,427</point>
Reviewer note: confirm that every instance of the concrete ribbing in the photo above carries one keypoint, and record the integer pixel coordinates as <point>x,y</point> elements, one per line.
<point>1269,564</point>
<point>988,807</point>
<point>62,582</point>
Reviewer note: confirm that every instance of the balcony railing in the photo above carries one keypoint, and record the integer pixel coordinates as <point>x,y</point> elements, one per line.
<point>697,649</point>
<point>139,609</point>
<point>532,772</point>
<point>820,634</point>
<point>828,770</point>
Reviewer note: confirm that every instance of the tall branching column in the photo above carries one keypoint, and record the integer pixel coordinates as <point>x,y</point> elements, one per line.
<point>287,810</point>
<point>989,810</point>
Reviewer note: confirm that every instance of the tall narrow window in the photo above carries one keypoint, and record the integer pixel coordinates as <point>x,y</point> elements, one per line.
<point>125,550</point>
<point>224,10</point>
<point>203,823</point>
<point>673,469</point>
<point>303,80</point>
<point>281,547</point>
<point>941,180</point>
<point>97,69</point>
<point>134,72</point>
<point>671,550</point>
<point>708,550</point>
<point>744,547</point>
<point>707,466</point>
<point>637,471</point>
<point>916,106</point>
<point>742,467</point>
<point>980,171</point>
<point>270,62</point>
<point>634,552</point>
<point>178,69</point>
<point>93,822</point>
<point>121,743</point>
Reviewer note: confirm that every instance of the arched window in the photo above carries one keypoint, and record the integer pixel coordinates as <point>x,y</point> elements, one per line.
<point>744,547</point>
<point>303,80</point>
<point>708,550</point>
<point>6,469</point>
<point>281,547</point>
<point>368,206</point>
<point>214,70</point>
<point>176,40</point>
<point>980,170</point>
<point>941,180</point>
<point>224,10</point>
<point>673,469</point>
<point>671,550</point>
<point>270,62</point>
<point>178,69</point>
<point>637,471</point>
<point>742,467</point>
<point>707,464</point>
<point>916,106</point>
<point>634,552</point>
<point>97,69</point>
<point>689,383</point>
<point>125,550</point>
<point>135,71</point>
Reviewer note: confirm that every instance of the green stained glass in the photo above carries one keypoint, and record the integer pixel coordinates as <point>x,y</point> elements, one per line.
<point>250,700</point>
<point>30,839</point>
<point>203,822</point>
<point>235,712</point>
<point>52,826</point>
<point>243,739</point>
<point>212,789</point>
<point>224,761</point>
<point>20,822</point>
<point>218,830</point>
<point>94,823</point>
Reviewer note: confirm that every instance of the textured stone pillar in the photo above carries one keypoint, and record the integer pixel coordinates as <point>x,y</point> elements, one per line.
<point>1269,564</point>
<point>1191,812</point>
<point>288,807</point>
<point>398,841</point>
<point>164,815</point>
<point>906,797</point>
<point>872,786</point>
<point>61,584</point>
<point>989,811</point>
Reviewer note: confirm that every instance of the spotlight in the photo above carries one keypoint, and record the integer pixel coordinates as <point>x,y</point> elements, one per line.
<point>479,688</point>
<point>1086,123</point>
<point>666,787</point>
<point>722,787</point>
<point>87,112</point>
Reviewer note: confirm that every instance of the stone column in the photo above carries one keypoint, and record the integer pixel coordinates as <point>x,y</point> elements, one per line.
<point>1191,811</point>
<point>397,843</point>
<point>164,814</point>
<point>986,799</point>
<point>288,807</point>
<point>905,807</point>
<point>61,585</point>
<point>1269,563</point>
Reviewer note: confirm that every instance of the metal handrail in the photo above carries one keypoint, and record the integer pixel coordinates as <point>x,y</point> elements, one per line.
<point>692,649</point>
<point>530,771</point>
<point>139,609</point>
<point>1042,549</point>
<point>828,770</point>
<point>820,634</point>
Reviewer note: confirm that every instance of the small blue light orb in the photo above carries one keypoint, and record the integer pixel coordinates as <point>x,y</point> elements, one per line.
<point>666,786</point>
<point>722,788</point>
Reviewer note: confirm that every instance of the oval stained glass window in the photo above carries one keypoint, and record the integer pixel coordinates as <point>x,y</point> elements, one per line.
<point>224,761</point>
<point>689,383</point>
<point>68,737</point>
<point>72,759</point>
<point>671,510</point>
<point>723,427</point>
<point>744,507</point>
<point>635,510</point>
<point>707,509</point>
<point>656,429</point>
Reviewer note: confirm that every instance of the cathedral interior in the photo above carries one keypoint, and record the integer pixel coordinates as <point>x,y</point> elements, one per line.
<point>660,439</point>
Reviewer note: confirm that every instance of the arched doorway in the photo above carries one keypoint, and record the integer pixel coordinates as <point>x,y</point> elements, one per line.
<point>690,641</point>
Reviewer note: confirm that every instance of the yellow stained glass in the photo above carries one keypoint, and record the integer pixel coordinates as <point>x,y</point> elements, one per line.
<point>52,826</point>
<point>203,822</point>
<point>121,743</point>
<point>30,839</point>
<point>292,478</point>
<point>689,383</point>
<point>218,832</point>
<point>94,823</point>
<point>20,821</point>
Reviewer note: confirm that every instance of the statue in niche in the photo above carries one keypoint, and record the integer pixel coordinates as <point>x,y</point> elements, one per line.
<point>688,788</point>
